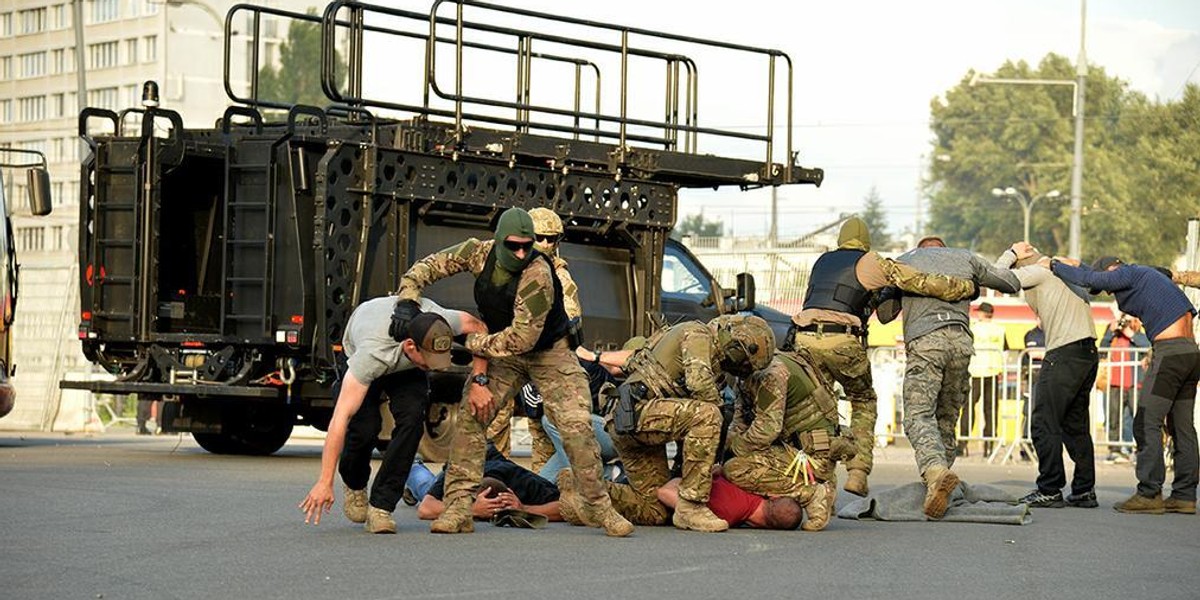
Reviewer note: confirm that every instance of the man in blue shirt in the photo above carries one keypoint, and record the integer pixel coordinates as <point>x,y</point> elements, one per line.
<point>1169,392</point>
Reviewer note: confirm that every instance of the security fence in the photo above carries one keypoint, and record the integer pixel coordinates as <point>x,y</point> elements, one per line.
<point>996,410</point>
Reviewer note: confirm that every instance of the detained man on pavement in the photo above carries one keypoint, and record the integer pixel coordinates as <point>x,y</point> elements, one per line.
<point>388,346</point>
<point>521,301</point>
<point>937,342</point>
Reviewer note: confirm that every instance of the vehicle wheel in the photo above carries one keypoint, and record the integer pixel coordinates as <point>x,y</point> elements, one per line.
<point>252,432</point>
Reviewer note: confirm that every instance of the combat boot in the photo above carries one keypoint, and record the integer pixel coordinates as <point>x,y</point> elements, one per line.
<point>1139,504</point>
<point>355,506</point>
<point>939,484</point>
<point>456,518</point>
<point>1175,505</point>
<point>614,524</point>
<point>379,521</point>
<point>819,507</point>
<point>856,482</point>
<point>697,517</point>
<point>568,499</point>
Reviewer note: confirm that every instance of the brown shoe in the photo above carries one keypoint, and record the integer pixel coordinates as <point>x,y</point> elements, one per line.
<point>1139,504</point>
<point>355,506</point>
<point>379,521</point>
<point>940,482</point>
<point>819,507</point>
<point>697,517</point>
<point>568,499</point>
<point>1175,505</point>
<point>456,518</point>
<point>856,482</point>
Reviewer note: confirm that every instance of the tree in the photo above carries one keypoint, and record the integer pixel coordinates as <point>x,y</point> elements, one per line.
<point>876,219</point>
<point>297,79</point>
<point>1142,164</point>
<point>696,225</point>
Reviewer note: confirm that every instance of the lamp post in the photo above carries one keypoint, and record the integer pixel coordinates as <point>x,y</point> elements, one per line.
<point>1026,202</point>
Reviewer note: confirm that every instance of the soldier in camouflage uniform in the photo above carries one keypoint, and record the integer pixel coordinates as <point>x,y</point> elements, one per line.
<point>521,301</point>
<point>1186,278</point>
<point>832,326</point>
<point>677,377</point>
<point>937,343</point>
<point>548,232</point>
<point>785,438</point>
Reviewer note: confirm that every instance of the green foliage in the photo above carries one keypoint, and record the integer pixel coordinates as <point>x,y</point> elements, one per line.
<point>297,80</point>
<point>696,225</point>
<point>1141,164</point>
<point>876,219</point>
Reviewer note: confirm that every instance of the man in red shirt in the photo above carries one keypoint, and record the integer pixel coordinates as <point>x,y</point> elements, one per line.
<point>736,506</point>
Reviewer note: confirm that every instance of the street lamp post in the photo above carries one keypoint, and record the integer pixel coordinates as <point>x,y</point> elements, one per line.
<point>1026,202</point>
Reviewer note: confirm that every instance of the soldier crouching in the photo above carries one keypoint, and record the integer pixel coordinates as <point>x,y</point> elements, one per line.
<point>784,437</point>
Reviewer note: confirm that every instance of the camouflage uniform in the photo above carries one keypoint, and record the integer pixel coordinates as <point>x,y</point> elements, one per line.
<point>935,386</point>
<point>512,363</point>
<point>842,356</point>
<point>1186,278</point>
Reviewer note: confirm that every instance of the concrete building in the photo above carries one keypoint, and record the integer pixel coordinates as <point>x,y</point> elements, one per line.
<point>178,43</point>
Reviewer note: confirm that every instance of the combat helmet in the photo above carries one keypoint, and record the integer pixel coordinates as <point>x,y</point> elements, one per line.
<point>545,221</point>
<point>746,341</point>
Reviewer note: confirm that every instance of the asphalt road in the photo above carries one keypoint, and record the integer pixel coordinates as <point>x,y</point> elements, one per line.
<point>120,516</point>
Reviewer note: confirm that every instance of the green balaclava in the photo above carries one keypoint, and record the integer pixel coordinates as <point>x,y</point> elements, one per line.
<point>514,221</point>
<point>854,235</point>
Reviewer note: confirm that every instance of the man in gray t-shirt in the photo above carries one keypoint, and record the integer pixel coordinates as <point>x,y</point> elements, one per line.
<point>938,346</point>
<point>379,367</point>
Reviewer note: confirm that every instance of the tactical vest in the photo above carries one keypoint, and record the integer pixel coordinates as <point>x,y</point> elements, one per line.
<point>832,285</point>
<point>496,302</point>
<point>816,409</point>
<point>659,364</point>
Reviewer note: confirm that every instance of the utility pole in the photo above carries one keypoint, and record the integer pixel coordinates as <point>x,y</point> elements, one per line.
<point>80,67</point>
<point>1077,161</point>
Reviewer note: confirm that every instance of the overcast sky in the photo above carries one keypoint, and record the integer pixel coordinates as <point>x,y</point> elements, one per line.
<point>867,71</point>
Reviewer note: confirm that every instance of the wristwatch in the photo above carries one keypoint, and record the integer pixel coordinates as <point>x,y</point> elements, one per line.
<point>481,379</point>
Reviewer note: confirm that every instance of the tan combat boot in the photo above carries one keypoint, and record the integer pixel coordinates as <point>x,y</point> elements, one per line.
<point>379,521</point>
<point>697,517</point>
<point>1175,505</point>
<point>456,518</point>
<point>355,506</point>
<point>856,482</point>
<point>614,524</point>
<point>939,484</point>
<point>819,507</point>
<point>1139,504</point>
<point>569,503</point>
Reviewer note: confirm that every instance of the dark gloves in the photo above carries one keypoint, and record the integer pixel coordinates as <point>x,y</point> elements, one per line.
<point>974,296</point>
<point>405,312</point>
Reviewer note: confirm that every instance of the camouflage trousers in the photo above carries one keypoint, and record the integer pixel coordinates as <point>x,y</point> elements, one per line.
<point>766,473</point>
<point>644,456</point>
<point>567,404</point>
<point>936,383</point>
<point>500,433</point>
<point>842,358</point>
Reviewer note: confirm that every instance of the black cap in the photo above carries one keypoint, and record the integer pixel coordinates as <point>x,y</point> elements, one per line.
<point>1104,262</point>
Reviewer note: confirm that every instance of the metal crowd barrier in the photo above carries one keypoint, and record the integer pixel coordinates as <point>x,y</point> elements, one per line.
<point>997,421</point>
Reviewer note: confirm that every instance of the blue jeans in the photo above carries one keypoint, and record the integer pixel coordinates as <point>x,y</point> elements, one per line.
<point>558,461</point>
<point>420,479</point>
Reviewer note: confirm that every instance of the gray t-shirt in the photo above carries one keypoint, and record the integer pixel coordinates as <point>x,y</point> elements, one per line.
<point>370,352</point>
<point>1065,313</point>
<point>924,315</point>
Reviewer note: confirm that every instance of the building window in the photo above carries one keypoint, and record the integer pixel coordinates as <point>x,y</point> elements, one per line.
<point>6,115</point>
<point>58,16</point>
<point>104,11</point>
<point>32,108</point>
<point>131,51</point>
<point>132,95</point>
<point>33,20</point>
<point>6,67</point>
<point>58,105</point>
<point>134,8</point>
<point>151,48</point>
<point>33,64</point>
<point>104,98</point>
<point>102,55</point>
<point>150,7</point>
<point>6,24</point>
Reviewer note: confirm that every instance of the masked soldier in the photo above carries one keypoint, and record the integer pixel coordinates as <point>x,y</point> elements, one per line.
<point>785,438</point>
<point>521,301</point>
<point>548,232</point>
<point>832,326</point>
<point>673,394</point>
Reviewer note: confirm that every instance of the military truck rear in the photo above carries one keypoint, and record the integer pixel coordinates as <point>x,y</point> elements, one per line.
<point>219,266</point>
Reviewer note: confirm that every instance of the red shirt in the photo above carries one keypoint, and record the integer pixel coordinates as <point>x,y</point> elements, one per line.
<point>731,503</point>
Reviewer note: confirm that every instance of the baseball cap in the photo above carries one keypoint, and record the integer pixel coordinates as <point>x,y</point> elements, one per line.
<point>1104,262</point>
<point>987,308</point>
<point>433,337</point>
<point>931,240</point>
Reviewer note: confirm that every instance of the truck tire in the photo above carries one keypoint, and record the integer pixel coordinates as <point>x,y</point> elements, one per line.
<point>253,432</point>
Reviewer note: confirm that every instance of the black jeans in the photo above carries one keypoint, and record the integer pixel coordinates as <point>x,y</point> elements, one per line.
<point>1168,397</point>
<point>1060,417</point>
<point>408,393</point>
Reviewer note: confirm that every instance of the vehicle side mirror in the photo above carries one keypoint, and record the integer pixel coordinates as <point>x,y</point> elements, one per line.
<point>745,292</point>
<point>39,191</point>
